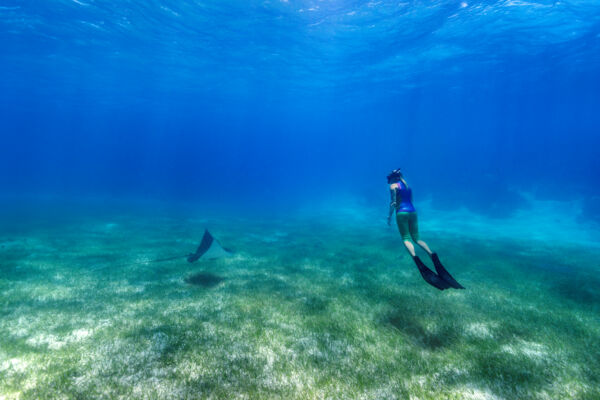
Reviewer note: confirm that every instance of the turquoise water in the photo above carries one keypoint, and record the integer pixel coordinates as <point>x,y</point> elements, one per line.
<point>307,307</point>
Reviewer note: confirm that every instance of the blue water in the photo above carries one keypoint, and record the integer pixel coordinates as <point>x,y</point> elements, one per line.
<point>129,127</point>
<point>280,104</point>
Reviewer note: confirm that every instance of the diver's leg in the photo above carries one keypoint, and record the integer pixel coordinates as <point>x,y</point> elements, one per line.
<point>410,247</point>
<point>402,222</point>
<point>413,226</point>
<point>424,246</point>
<point>402,219</point>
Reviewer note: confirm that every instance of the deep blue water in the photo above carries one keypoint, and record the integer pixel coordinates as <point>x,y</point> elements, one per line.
<point>284,103</point>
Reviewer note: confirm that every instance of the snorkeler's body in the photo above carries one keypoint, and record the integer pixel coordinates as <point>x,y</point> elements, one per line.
<point>406,219</point>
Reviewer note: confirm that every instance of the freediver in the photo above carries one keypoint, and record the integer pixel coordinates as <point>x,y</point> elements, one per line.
<point>406,219</point>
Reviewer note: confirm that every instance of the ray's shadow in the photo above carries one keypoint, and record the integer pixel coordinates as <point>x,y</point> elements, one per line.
<point>204,279</point>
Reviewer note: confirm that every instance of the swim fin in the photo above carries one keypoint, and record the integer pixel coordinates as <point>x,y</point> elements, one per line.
<point>445,275</point>
<point>430,276</point>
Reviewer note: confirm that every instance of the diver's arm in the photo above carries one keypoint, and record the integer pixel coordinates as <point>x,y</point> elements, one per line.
<point>392,205</point>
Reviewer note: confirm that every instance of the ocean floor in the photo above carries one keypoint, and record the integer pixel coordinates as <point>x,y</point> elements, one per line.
<point>306,308</point>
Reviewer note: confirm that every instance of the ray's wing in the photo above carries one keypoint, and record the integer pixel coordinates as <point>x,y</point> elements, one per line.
<point>209,248</point>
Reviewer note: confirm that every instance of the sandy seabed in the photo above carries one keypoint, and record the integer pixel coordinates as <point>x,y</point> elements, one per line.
<point>306,308</point>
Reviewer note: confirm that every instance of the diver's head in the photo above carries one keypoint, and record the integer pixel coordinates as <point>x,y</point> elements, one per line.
<point>394,176</point>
